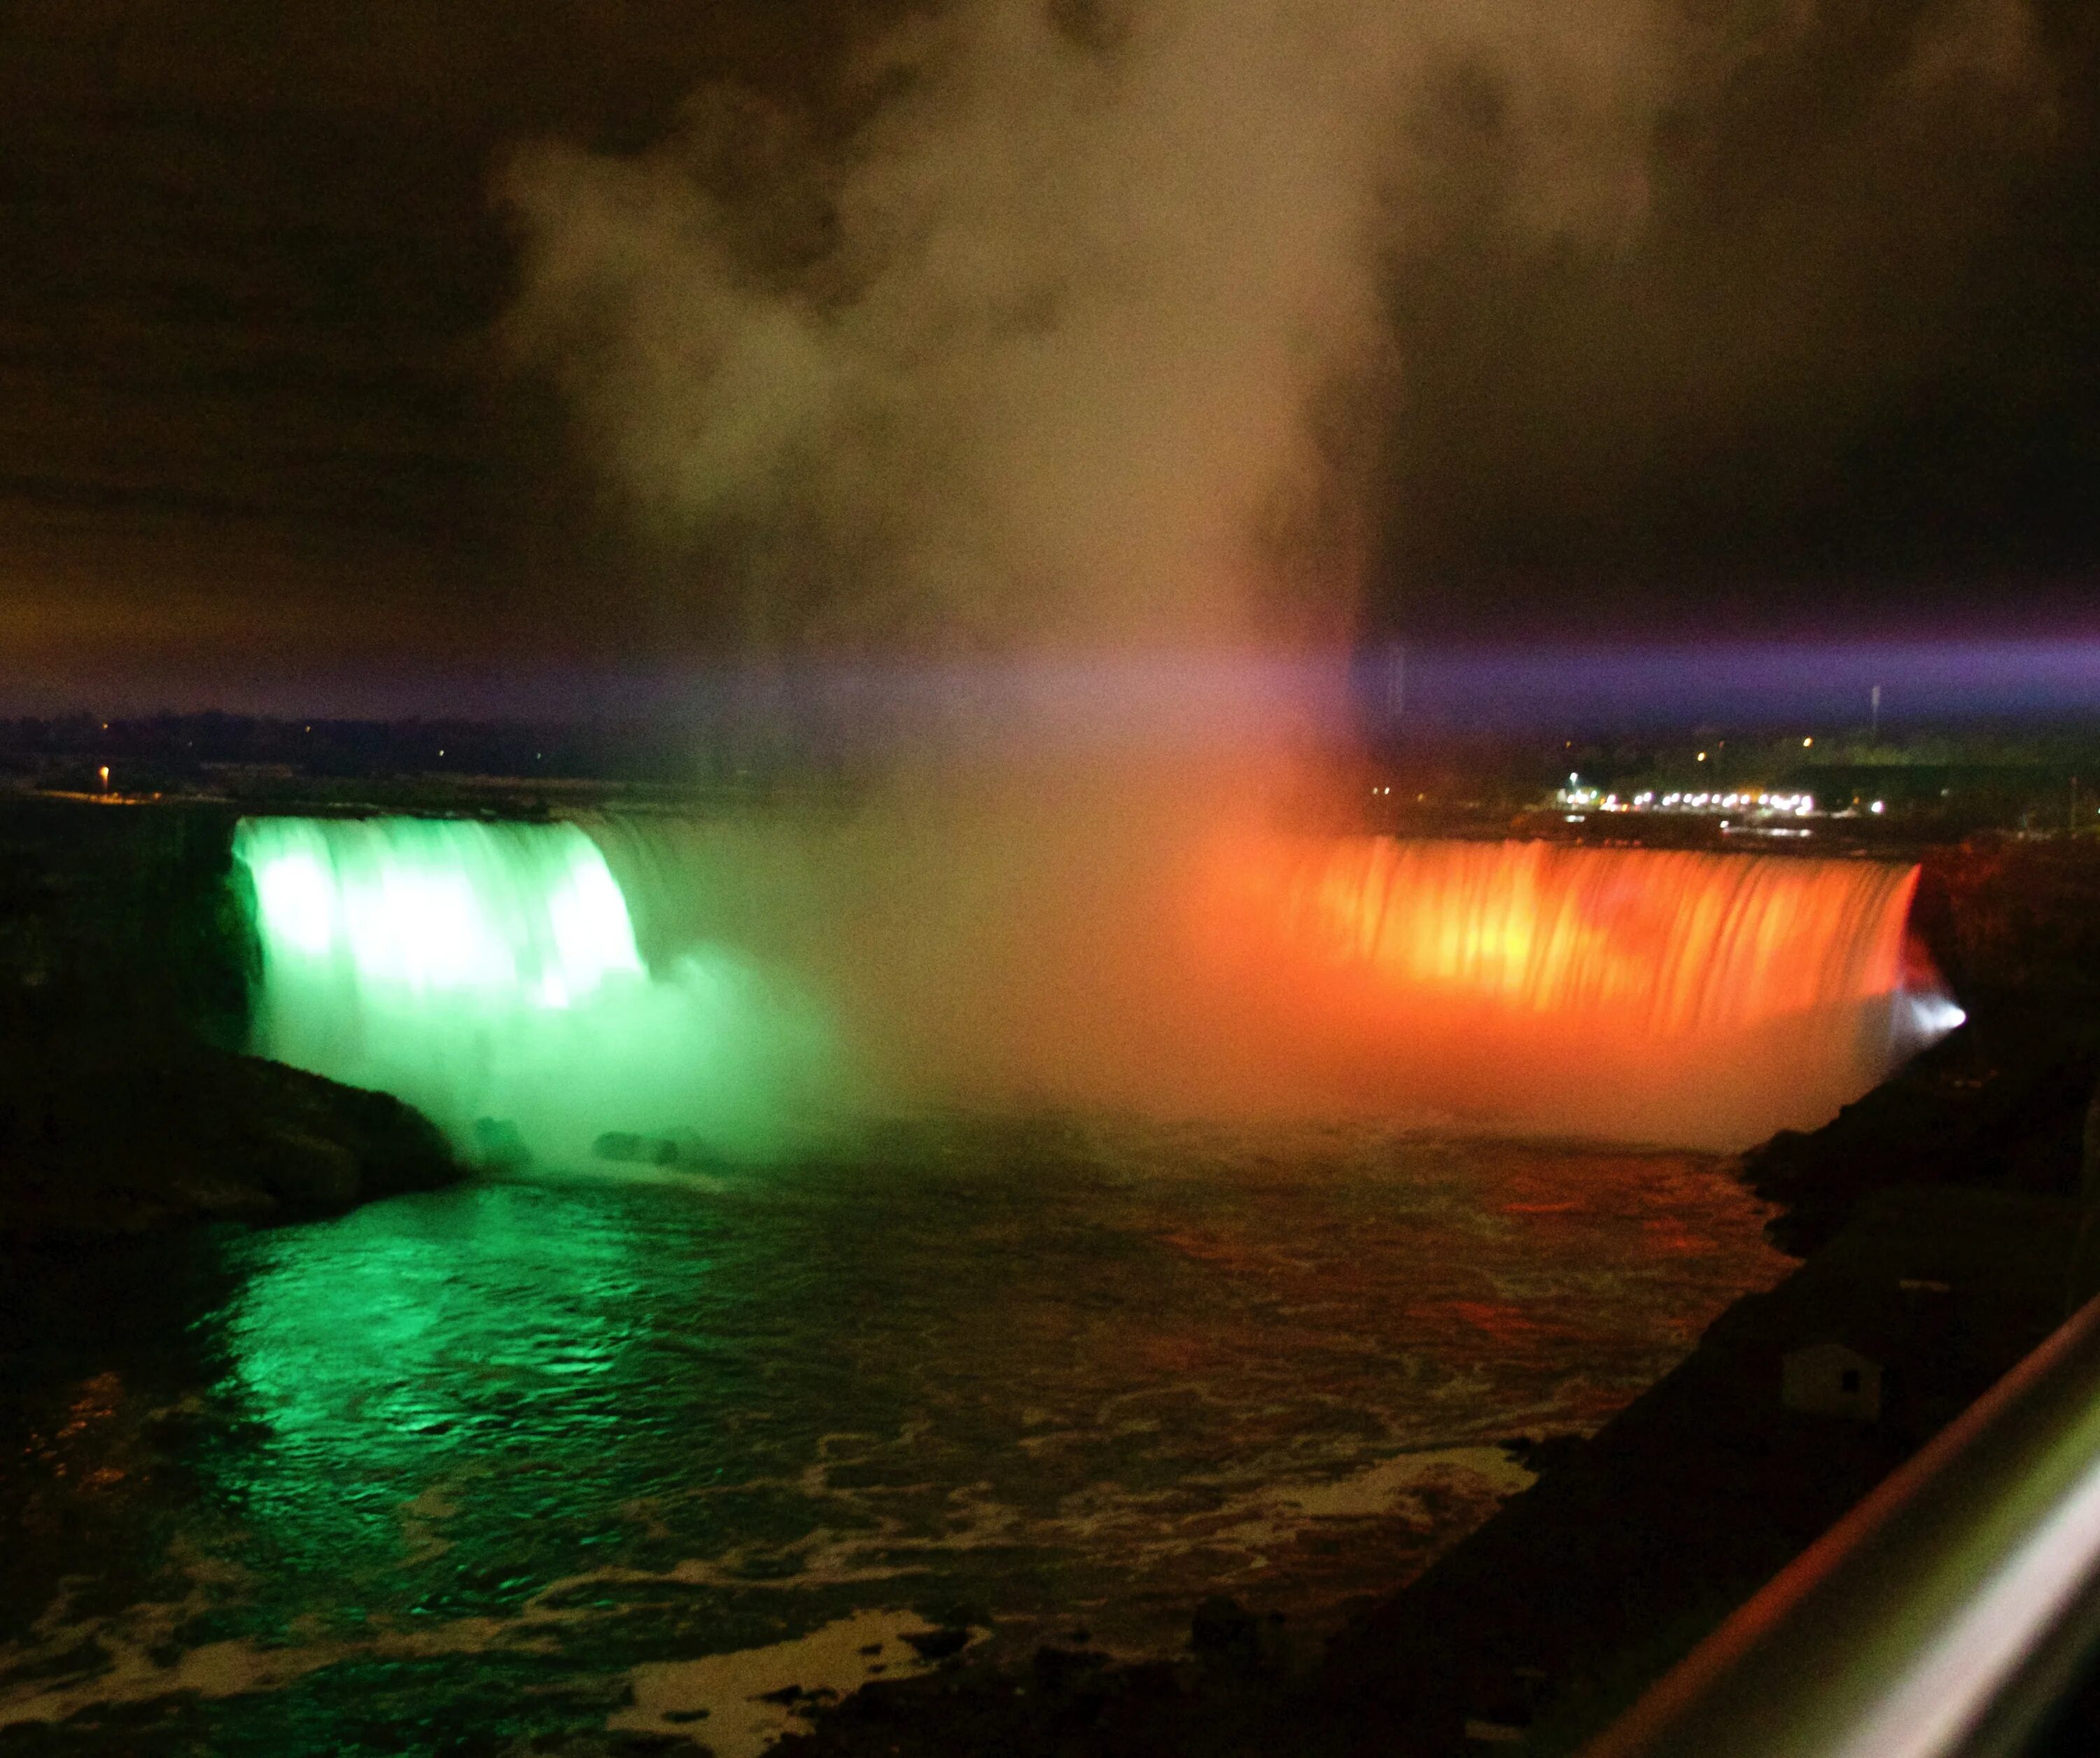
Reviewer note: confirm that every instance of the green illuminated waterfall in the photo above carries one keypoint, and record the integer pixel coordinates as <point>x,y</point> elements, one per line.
<point>488,975</point>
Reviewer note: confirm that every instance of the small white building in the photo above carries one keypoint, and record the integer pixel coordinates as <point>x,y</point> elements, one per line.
<point>1831,1380</point>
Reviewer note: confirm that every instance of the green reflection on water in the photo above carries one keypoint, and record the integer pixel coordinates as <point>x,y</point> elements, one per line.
<point>473,1455</point>
<point>460,1393</point>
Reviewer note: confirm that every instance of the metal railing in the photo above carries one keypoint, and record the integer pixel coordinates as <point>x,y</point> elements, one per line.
<point>1946,1614</point>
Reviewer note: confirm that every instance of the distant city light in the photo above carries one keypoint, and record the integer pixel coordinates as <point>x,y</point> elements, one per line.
<point>1762,805</point>
<point>1808,742</point>
<point>1702,756</point>
<point>1878,805</point>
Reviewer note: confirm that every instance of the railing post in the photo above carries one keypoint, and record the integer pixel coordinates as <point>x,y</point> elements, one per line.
<point>1944,1615</point>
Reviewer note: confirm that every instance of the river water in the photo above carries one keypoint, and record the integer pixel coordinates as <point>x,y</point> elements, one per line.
<point>534,1457</point>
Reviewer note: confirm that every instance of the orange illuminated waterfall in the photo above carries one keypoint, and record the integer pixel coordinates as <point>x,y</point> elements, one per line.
<point>1659,994</point>
<point>1662,942</point>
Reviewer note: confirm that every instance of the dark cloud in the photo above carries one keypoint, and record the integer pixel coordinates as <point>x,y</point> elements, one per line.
<point>249,270</point>
<point>1842,371</point>
<point>1839,364</point>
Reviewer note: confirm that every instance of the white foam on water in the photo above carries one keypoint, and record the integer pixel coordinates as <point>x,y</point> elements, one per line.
<point>733,1701</point>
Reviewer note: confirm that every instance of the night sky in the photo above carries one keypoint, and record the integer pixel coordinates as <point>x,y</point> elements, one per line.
<point>261,430</point>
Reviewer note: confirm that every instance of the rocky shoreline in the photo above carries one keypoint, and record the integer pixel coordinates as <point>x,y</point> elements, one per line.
<point>1550,1619</point>
<point>1938,1218</point>
<point>95,1152</point>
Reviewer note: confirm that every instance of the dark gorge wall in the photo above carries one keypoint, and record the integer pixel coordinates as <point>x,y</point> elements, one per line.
<point>2014,916</point>
<point>2002,1104</point>
<point>124,925</point>
<point>126,962</point>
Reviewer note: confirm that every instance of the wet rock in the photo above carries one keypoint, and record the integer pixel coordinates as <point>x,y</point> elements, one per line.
<point>1540,1454</point>
<point>1229,1640</point>
<point>624,1147</point>
<point>1222,1626</point>
<point>938,1645</point>
<point>596,1744</point>
<point>101,1147</point>
<point>1061,1669</point>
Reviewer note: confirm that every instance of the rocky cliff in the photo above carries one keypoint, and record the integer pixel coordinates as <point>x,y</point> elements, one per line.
<point>125,958</point>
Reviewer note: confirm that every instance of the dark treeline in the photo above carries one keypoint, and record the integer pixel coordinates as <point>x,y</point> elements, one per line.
<point>179,747</point>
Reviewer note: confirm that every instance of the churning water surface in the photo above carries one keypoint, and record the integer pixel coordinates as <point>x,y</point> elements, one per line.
<point>519,1457</point>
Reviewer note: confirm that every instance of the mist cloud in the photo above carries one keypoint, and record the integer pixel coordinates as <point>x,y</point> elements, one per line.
<point>1076,335</point>
<point>1832,343</point>
<point>1090,328</point>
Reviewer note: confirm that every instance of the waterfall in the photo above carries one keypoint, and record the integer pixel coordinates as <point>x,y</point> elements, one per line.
<point>488,975</point>
<point>1684,998</point>
<point>1660,943</point>
<point>699,990</point>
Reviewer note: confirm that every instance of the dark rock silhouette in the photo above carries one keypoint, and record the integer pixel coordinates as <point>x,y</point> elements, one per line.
<point>89,1150</point>
<point>126,955</point>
